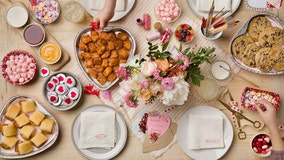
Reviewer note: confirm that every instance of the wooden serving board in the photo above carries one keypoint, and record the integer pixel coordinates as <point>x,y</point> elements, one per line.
<point>65,57</point>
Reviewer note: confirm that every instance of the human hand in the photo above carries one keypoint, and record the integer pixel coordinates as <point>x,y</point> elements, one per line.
<point>267,112</point>
<point>102,18</point>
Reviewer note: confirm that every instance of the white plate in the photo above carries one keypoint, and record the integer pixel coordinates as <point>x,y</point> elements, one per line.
<point>204,154</point>
<point>193,6</point>
<point>101,153</point>
<point>117,15</point>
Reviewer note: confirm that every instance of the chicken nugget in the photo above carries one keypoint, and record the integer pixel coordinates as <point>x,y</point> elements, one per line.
<point>101,49</point>
<point>111,36</point>
<point>101,79</point>
<point>115,68</point>
<point>107,71</point>
<point>118,44</point>
<point>110,45</point>
<point>89,63</point>
<point>85,56</point>
<point>106,54</point>
<point>122,36</point>
<point>122,61</point>
<point>95,55</point>
<point>99,68</point>
<point>114,54</point>
<point>127,45</point>
<point>111,77</point>
<point>92,73</point>
<point>97,61</point>
<point>86,39</point>
<point>103,35</point>
<point>83,47</point>
<point>104,63</point>
<point>94,33</point>
<point>113,62</point>
<point>101,42</point>
<point>92,47</point>
<point>123,53</point>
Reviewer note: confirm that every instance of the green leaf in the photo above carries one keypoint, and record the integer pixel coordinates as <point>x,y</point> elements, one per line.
<point>180,47</point>
<point>165,46</point>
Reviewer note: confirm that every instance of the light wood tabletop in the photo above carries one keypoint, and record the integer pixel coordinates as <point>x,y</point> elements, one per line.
<point>64,32</point>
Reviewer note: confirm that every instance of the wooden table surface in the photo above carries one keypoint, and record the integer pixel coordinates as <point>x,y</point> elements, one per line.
<point>64,32</point>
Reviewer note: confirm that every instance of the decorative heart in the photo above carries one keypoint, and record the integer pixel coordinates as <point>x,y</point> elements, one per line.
<point>158,123</point>
<point>67,100</point>
<point>73,94</point>
<point>50,85</point>
<point>69,81</point>
<point>44,71</point>
<point>61,89</point>
<point>55,80</point>
<point>52,98</point>
<point>61,78</point>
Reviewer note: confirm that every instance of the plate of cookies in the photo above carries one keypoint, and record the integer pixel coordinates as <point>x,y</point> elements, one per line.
<point>99,54</point>
<point>26,128</point>
<point>259,45</point>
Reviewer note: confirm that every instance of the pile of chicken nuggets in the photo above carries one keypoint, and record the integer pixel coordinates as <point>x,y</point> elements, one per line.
<point>103,52</point>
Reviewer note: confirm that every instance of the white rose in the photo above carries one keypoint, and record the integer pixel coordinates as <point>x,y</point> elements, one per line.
<point>178,95</point>
<point>147,68</point>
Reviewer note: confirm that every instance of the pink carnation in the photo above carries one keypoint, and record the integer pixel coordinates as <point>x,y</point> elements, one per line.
<point>121,72</point>
<point>168,84</point>
<point>156,74</point>
<point>130,100</point>
<point>144,84</point>
<point>184,61</point>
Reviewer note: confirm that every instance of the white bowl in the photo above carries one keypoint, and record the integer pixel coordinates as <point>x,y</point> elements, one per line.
<point>211,37</point>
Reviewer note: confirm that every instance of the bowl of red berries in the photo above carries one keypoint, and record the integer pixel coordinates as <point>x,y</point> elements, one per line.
<point>261,145</point>
<point>184,33</point>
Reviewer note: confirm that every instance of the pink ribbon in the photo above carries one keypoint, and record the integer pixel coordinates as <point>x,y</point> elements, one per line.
<point>233,105</point>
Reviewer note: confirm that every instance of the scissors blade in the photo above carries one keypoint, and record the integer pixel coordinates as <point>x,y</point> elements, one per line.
<point>227,106</point>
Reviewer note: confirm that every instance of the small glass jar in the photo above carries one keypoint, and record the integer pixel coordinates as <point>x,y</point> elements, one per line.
<point>73,12</point>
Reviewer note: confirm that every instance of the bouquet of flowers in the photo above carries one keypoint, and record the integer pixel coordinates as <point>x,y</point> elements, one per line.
<point>162,74</point>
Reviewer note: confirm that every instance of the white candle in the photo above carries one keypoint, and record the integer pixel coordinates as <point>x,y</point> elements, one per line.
<point>218,72</point>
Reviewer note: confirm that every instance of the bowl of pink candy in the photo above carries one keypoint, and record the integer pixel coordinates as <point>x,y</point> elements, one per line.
<point>261,145</point>
<point>167,10</point>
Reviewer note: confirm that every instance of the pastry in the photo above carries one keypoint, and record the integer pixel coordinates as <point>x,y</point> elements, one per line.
<point>37,117</point>
<point>24,147</point>
<point>21,120</point>
<point>47,125</point>
<point>272,36</point>
<point>9,130</point>
<point>12,112</point>
<point>28,106</point>
<point>27,132</point>
<point>256,25</point>
<point>239,45</point>
<point>9,142</point>
<point>39,139</point>
<point>263,60</point>
<point>249,55</point>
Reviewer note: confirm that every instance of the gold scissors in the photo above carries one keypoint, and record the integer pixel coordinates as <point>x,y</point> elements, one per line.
<point>239,116</point>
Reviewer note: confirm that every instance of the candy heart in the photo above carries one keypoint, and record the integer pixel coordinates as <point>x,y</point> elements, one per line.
<point>52,98</point>
<point>44,71</point>
<point>67,100</point>
<point>158,123</point>
<point>50,85</point>
<point>73,94</point>
<point>69,81</point>
<point>61,89</point>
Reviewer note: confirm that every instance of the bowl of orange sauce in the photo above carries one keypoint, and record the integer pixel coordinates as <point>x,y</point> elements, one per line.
<point>50,53</point>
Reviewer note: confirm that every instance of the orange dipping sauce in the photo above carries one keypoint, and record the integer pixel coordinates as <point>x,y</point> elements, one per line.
<point>50,53</point>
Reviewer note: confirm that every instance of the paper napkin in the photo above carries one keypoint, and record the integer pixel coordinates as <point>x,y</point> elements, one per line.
<point>97,129</point>
<point>97,5</point>
<point>205,132</point>
<point>205,5</point>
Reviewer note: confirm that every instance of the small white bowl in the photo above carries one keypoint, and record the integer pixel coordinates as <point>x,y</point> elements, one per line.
<point>258,142</point>
<point>218,72</point>
<point>211,37</point>
<point>17,16</point>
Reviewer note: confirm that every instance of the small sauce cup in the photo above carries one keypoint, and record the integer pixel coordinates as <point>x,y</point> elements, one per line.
<point>17,16</point>
<point>50,53</point>
<point>34,34</point>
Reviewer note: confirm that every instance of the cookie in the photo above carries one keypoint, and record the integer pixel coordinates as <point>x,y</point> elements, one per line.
<point>270,37</point>
<point>256,26</point>
<point>239,45</point>
<point>277,54</point>
<point>263,60</point>
<point>248,57</point>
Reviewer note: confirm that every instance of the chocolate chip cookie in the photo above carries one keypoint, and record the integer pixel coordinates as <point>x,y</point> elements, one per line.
<point>272,36</point>
<point>248,57</point>
<point>277,53</point>
<point>239,45</point>
<point>256,26</point>
<point>263,60</point>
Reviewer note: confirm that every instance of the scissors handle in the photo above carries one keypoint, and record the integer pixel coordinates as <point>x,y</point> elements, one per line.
<point>242,135</point>
<point>256,124</point>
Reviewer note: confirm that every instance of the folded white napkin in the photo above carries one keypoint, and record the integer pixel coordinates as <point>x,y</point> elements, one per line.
<point>97,129</point>
<point>205,132</point>
<point>205,5</point>
<point>97,5</point>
